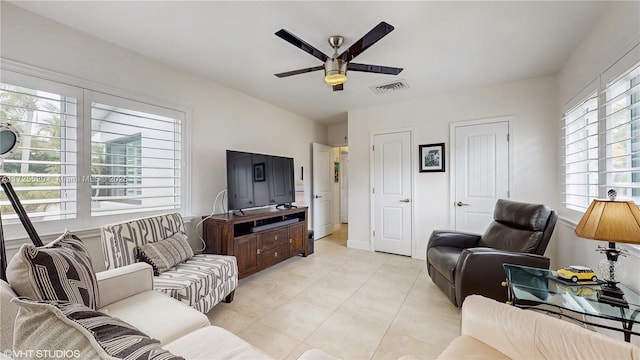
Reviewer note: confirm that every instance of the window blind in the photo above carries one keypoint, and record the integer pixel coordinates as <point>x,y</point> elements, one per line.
<point>43,169</point>
<point>135,157</point>
<point>622,134</point>
<point>581,153</point>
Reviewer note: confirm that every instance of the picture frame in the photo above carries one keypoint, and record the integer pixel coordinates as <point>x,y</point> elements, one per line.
<point>258,172</point>
<point>432,157</point>
<point>336,171</point>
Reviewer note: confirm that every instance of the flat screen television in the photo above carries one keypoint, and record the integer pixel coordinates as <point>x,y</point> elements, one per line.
<point>255,180</point>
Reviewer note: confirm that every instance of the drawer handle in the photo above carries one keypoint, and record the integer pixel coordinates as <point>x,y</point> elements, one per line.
<point>276,254</point>
<point>276,237</point>
<point>258,251</point>
<point>290,241</point>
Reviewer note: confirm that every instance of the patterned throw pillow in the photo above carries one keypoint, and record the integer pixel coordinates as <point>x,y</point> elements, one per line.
<point>70,330</point>
<point>60,270</point>
<point>164,254</point>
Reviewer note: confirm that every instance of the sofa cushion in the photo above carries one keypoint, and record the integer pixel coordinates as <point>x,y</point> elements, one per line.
<point>120,241</point>
<point>158,315</point>
<point>226,345</point>
<point>526,216</point>
<point>198,278</point>
<point>166,253</point>
<point>60,270</point>
<point>503,237</point>
<point>70,330</point>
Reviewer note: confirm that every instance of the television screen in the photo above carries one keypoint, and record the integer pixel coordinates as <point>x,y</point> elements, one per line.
<point>255,180</point>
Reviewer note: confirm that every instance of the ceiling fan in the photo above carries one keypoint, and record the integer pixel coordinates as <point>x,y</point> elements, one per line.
<point>336,66</point>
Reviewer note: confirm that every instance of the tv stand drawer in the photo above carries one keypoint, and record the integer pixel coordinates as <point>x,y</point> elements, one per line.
<point>274,238</point>
<point>274,255</point>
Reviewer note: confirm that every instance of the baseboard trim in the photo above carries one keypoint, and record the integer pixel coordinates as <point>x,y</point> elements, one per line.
<point>359,245</point>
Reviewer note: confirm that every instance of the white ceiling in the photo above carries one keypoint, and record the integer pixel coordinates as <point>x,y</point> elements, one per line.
<point>442,46</point>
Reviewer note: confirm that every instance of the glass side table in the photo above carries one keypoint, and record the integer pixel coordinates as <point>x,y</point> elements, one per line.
<point>528,287</point>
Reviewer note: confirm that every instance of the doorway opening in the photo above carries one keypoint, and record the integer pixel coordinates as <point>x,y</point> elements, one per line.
<point>330,191</point>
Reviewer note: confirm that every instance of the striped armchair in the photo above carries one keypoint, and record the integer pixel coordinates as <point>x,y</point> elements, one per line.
<point>201,281</point>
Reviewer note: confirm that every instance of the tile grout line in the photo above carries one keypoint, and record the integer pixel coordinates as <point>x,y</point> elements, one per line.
<point>338,307</point>
<point>396,314</point>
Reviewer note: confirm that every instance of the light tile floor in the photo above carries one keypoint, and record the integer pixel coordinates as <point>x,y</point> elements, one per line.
<point>353,304</point>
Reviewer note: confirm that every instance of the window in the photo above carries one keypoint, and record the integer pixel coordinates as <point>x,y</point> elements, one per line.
<point>46,158</point>
<point>581,154</point>
<point>116,170</point>
<point>86,154</point>
<point>135,156</point>
<point>622,134</point>
<point>602,140</point>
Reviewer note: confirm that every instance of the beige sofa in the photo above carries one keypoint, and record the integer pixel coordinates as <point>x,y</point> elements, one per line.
<point>127,293</point>
<point>493,330</point>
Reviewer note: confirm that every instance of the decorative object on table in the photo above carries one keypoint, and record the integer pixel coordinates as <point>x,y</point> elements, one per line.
<point>577,273</point>
<point>612,221</point>
<point>9,140</point>
<point>431,157</point>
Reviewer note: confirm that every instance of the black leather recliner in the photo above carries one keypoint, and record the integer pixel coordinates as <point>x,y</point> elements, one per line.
<point>461,264</point>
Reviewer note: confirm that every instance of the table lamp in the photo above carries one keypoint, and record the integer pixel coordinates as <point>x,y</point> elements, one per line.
<point>612,221</point>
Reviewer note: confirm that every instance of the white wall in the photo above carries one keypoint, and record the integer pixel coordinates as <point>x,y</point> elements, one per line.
<point>221,118</point>
<point>338,135</point>
<point>616,33</point>
<point>533,104</point>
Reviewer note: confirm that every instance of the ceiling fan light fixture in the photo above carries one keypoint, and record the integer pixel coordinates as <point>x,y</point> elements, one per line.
<point>335,72</point>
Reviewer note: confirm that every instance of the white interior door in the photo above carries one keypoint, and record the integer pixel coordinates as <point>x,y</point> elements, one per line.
<point>392,193</point>
<point>322,190</point>
<point>481,173</point>
<point>344,187</point>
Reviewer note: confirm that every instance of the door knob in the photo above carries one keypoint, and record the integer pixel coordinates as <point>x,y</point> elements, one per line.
<point>405,200</point>
<point>318,196</point>
<point>460,203</point>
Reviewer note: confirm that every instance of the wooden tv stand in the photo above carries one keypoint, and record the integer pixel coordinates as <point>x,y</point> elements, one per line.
<point>259,239</point>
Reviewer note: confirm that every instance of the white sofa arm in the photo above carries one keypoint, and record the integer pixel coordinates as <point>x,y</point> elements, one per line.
<point>123,282</point>
<point>503,327</point>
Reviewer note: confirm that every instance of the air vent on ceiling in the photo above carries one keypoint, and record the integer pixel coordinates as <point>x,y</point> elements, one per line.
<point>390,87</point>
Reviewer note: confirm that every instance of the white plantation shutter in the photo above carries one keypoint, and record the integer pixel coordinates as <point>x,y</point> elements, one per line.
<point>622,134</point>
<point>135,156</point>
<point>86,154</point>
<point>43,169</point>
<point>581,154</point>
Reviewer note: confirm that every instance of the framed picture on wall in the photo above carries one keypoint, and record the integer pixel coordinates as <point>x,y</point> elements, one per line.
<point>431,157</point>
<point>258,172</point>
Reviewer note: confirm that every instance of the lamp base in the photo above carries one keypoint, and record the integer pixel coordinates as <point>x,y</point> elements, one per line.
<point>612,295</point>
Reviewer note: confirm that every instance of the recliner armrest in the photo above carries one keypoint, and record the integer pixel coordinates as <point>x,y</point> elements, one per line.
<point>456,239</point>
<point>480,271</point>
<point>123,282</point>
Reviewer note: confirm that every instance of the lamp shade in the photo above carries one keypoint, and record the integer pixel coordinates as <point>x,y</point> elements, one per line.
<point>613,221</point>
<point>335,71</point>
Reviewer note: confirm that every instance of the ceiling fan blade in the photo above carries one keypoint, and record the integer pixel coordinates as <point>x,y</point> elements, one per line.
<point>367,40</point>
<point>338,87</point>
<point>374,68</point>
<point>299,43</point>
<point>299,71</point>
